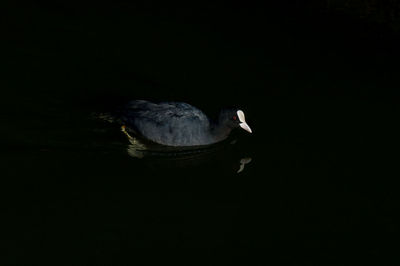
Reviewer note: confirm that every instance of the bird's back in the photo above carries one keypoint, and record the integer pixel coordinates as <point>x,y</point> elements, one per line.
<point>168,123</point>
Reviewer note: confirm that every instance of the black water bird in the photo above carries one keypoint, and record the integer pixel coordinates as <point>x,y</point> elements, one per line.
<point>177,123</point>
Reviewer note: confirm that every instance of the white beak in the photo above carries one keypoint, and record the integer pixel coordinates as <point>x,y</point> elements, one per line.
<point>245,126</point>
<point>242,120</point>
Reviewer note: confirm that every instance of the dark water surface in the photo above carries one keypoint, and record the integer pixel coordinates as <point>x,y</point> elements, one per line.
<point>318,178</point>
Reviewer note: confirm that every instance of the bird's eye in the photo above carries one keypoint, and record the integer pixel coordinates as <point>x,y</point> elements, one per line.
<point>234,117</point>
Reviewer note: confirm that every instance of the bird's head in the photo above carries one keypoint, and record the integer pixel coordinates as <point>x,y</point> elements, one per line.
<point>234,118</point>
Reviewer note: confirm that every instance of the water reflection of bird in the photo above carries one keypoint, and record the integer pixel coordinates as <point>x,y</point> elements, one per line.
<point>176,123</point>
<point>224,155</point>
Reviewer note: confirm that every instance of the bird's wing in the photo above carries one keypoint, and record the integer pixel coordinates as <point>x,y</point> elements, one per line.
<point>166,118</point>
<point>161,112</point>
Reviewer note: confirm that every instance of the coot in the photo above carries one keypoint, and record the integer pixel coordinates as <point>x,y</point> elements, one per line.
<point>177,123</point>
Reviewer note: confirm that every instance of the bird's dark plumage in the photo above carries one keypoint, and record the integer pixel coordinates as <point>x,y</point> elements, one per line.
<point>174,123</point>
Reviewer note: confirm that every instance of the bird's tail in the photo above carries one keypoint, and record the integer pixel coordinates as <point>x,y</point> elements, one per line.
<point>105,116</point>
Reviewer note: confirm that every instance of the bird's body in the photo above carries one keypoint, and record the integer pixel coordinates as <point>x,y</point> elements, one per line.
<point>175,123</point>
<point>168,123</point>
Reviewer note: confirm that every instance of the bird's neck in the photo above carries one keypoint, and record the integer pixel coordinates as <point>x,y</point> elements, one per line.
<point>220,131</point>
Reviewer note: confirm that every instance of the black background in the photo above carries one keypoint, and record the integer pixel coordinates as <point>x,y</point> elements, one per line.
<point>319,89</point>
